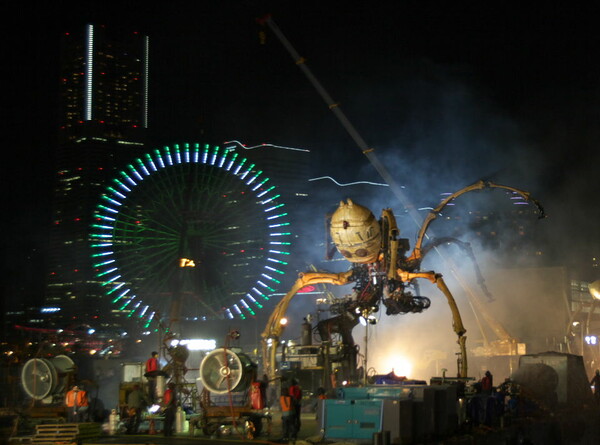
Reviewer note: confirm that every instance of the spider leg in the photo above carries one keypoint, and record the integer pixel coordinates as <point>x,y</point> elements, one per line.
<point>457,323</point>
<point>274,328</point>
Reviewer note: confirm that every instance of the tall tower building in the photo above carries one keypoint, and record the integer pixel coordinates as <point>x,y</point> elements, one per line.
<point>103,122</point>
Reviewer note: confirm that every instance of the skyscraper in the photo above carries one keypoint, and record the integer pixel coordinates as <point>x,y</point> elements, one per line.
<point>103,122</point>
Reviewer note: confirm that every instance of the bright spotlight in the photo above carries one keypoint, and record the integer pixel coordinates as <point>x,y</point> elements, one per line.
<point>199,344</point>
<point>399,365</point>
<point>283,321</point>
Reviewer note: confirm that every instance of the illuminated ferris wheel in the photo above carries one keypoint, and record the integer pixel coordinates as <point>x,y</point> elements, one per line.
<point>190,232</point>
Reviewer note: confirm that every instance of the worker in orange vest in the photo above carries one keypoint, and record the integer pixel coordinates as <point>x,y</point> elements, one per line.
<point>76,401</point>
<point>287,415</point>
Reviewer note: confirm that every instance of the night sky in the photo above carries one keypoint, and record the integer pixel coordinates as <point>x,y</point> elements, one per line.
<point>446,93</point>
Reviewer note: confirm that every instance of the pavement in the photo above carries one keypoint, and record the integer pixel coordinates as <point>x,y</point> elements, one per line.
<point>308,435</point>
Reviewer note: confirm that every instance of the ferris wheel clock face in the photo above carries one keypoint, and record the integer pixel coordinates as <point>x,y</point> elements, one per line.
<point>190,228</point>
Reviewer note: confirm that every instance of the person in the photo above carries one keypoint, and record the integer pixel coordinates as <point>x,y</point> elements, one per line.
<point>287,414</point>
<point>136,402</point>
<point>296,394</point>
<point>264,387</point>
<point>170,407</point>
<point>596,384</point>
<point>487,383</point>
<point>76,401</point>
<point>152,368</point>
<point>318,406</point>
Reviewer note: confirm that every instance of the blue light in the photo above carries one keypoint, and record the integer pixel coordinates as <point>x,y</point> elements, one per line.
<point>237,170</point>
<point>116,288</point>
<point>270,199</point>
<point>259,185</point>
<point>123,186</point>
<point>111,200</point>
<point>131,181</point>
<point>247,171</point>
<point>135,172</point>
<point>143,167</point>
<point>108,209</point>
<point>261,194</point>
<point>235,155</point>
<point>253,178</point>
<point>277,216</point>
<point>159,159</point>
<point>214,156</point>
<point>151,162</point>
<point>274,207</point>
<point>104,263</point>
<point>49,310</point>
<point>116,192</point>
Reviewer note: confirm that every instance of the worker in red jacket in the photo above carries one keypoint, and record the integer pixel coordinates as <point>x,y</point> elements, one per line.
<point>296,394</point>
<point>152,368</point>
<point>170,407</point>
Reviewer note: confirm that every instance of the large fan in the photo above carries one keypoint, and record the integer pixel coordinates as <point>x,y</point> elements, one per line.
<point>43,379</point>
<point>223,370</point>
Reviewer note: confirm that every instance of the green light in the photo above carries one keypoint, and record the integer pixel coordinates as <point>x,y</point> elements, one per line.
<point>104,264</point>
<point>115,288</point>
<point>104,273</point>
<point>97,226</point>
